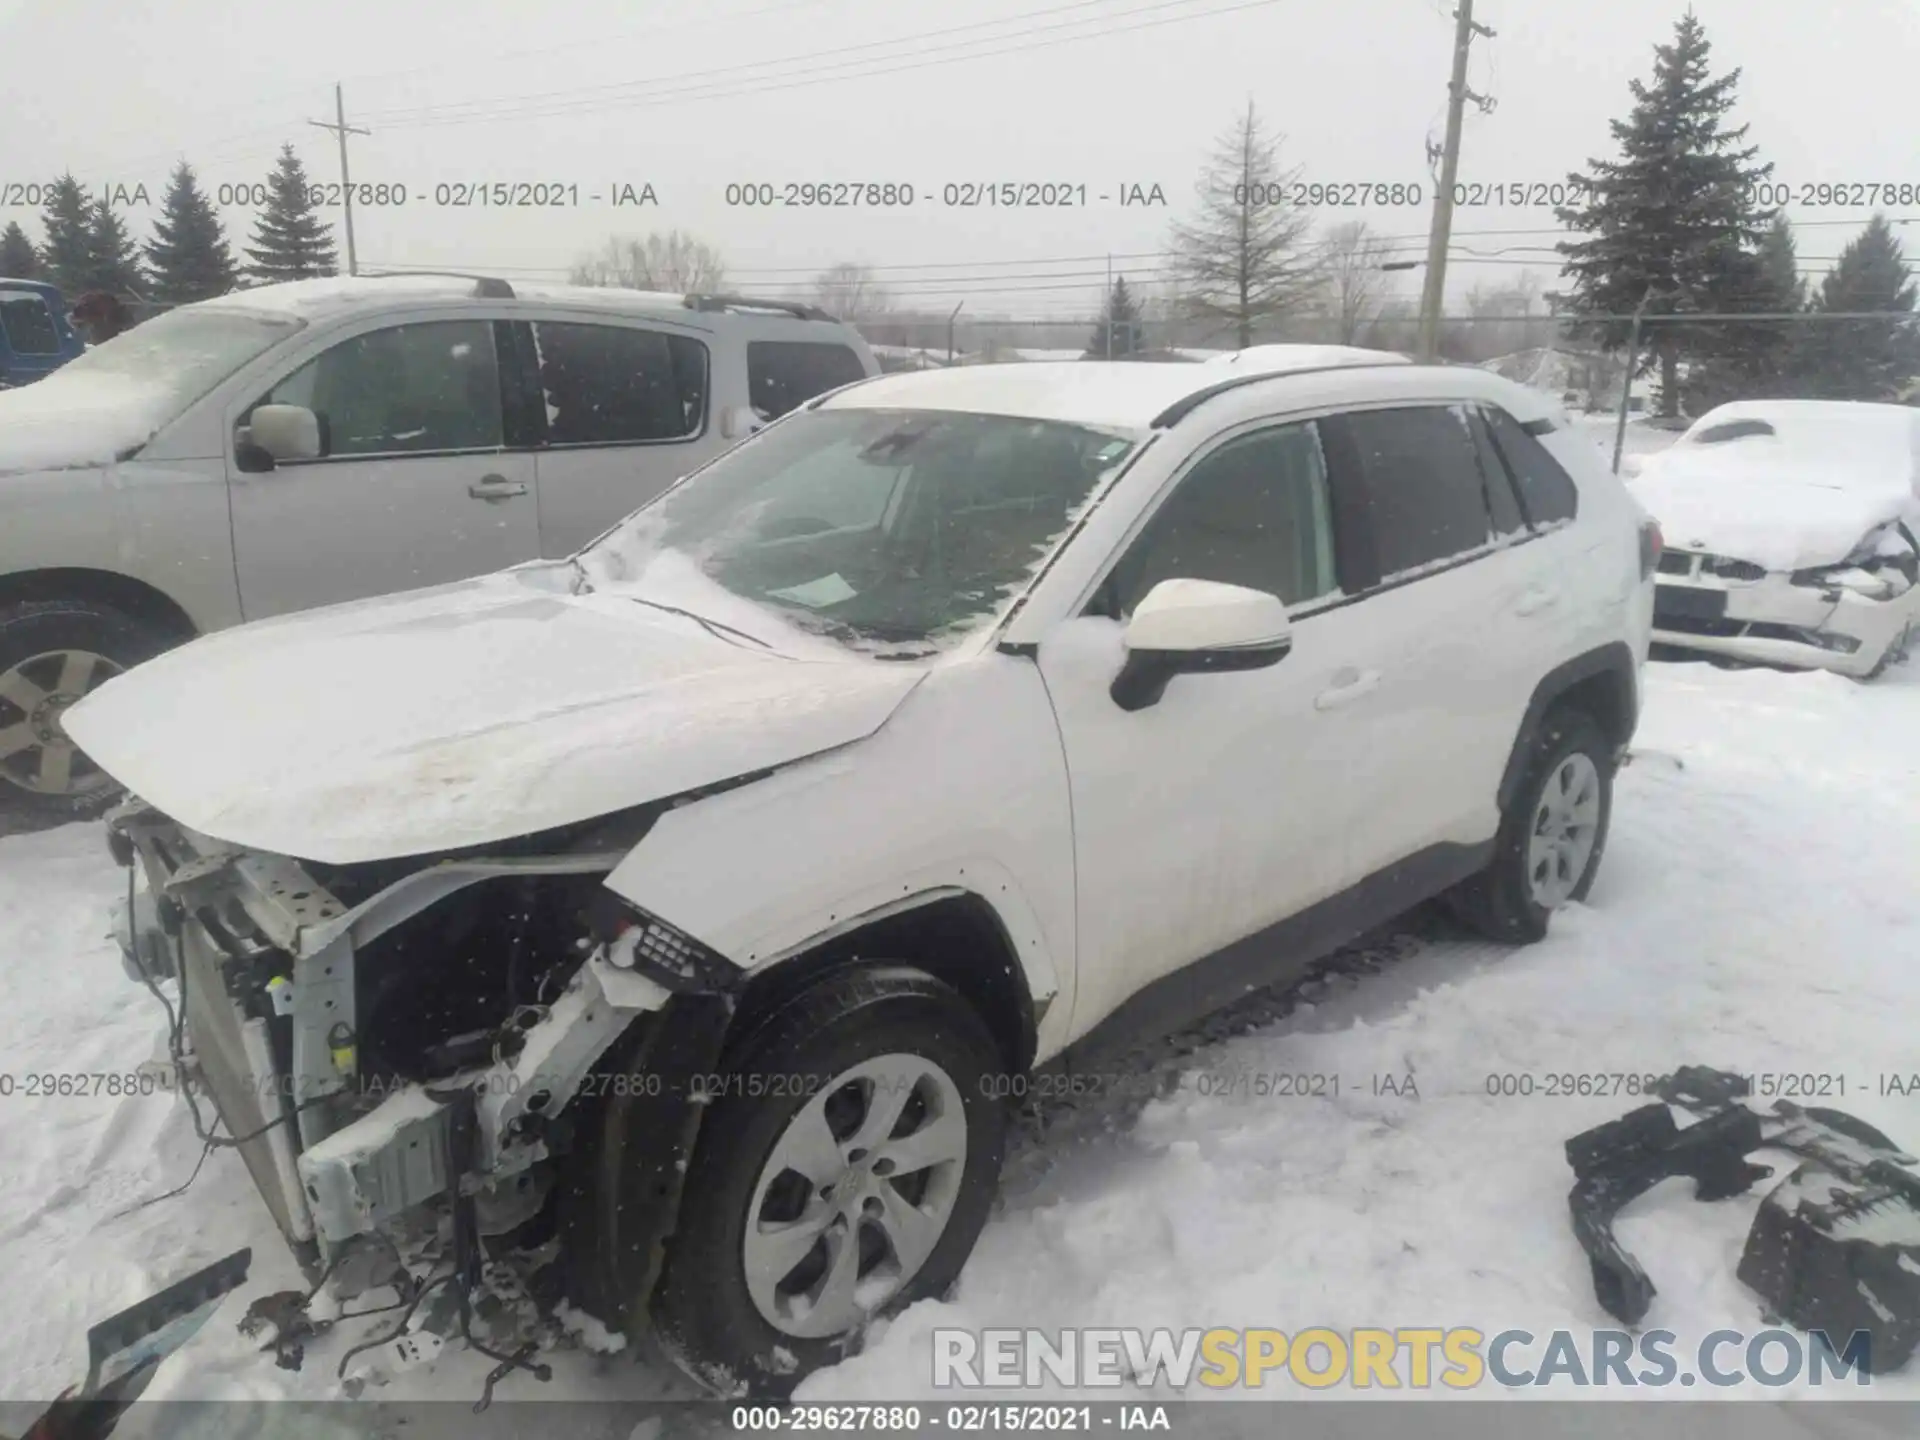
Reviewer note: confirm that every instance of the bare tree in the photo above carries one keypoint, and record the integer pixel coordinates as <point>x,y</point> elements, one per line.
<point>1352,255</point>
<point>1245,258</point>
<point>849,291</point>
<point>673,261</point>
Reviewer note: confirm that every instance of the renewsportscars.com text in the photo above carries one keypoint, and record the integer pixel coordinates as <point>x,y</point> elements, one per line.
<point>1456,1358</point>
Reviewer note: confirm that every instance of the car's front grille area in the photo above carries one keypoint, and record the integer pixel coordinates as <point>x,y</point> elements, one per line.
<point>1721,567</point>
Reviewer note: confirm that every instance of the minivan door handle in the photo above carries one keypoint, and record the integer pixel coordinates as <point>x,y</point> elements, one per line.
<point>1349,685</point>
<point>496,487</point>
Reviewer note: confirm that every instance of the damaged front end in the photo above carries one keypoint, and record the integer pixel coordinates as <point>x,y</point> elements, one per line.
<point>489,1047</point>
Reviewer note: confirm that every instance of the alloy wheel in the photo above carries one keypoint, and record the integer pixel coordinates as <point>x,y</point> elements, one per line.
<point>854,1195</point>
<point>1566,822</point>
<point>35,695</point>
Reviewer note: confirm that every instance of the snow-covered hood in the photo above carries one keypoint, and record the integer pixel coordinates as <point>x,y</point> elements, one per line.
<point>65,421</point>
<point>1778,516</point>
<point>462,715</point>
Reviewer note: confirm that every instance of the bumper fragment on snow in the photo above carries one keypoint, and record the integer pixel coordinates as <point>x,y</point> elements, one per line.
<point>1835,1247</point>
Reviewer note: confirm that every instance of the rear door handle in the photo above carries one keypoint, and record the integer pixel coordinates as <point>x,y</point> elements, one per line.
<point>1349,686</point>
<point>496,487</point>
<point>1534,599</point>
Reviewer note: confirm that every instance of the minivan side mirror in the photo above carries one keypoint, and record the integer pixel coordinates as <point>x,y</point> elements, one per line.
<point>286,432</point>
<point>1197,626</point>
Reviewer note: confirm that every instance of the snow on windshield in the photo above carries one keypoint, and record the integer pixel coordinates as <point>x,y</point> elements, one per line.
<point>892,531</point>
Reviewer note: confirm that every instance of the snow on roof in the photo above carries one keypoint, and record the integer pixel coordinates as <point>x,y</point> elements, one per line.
<point>1112,395</point>
<point>333,294</point>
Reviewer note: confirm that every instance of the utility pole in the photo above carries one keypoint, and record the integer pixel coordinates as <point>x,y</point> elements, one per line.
<point>1457,96</point>
<point>1107,319</point>
<point>341,129</point>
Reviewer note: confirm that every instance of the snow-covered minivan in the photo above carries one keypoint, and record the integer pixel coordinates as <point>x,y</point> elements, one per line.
<point>325,440</point>
<point>673,922</point>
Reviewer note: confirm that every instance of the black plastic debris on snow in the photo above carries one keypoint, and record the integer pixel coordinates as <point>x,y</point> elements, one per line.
<point>1835,1246</point>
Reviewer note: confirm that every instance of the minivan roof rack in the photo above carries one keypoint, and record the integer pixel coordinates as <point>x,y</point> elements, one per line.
<point>747,302</point>
<point>485,287</point>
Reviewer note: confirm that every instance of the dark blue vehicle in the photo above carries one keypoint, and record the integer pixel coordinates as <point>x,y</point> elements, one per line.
<point>35,336</point>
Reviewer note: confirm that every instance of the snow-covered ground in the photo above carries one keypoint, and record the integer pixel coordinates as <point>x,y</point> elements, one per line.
<point>1759,909</point>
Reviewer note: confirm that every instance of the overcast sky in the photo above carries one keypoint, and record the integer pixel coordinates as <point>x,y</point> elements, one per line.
<point>688,96</point>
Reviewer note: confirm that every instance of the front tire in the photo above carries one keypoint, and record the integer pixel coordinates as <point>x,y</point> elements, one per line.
<point>843,1171</point>
<point>52,654</point>
<point>1551,837</point>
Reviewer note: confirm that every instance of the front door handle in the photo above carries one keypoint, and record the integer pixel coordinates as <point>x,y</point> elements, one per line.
<point>496,487</point>
<point>1349,685</point>
<point>1534,599</point>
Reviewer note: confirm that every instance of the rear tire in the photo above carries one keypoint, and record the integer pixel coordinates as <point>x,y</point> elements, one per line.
<point>1551,837</point>
<point>759,1284</point>
<point>52,653</point>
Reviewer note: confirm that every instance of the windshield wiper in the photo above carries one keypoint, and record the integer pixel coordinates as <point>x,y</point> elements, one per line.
<point>712,627</point>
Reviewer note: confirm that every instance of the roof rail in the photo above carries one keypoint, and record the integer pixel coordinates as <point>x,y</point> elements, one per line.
<point>1180,409</point>
<point>747,302</point>
<point>485,287</point>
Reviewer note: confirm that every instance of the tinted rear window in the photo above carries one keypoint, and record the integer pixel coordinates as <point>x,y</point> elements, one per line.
<point>784,373</point>
<point>611,384</point>
<point>1423,482</point>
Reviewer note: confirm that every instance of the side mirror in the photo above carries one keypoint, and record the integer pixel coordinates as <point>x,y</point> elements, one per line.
<point>286,432</point>
<point>737,421</point>
<point>1196,626</point>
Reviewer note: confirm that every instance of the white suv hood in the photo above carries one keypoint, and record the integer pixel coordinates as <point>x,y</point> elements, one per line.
<point>461,715</point>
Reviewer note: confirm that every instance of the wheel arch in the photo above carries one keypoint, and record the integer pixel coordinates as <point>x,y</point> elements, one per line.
<point>1603,682</point>
<point>954,935</point>
<point>133,598</point>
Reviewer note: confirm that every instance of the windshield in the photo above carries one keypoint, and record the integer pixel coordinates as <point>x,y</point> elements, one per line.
<point>179,356</point>
<point>873,524</point>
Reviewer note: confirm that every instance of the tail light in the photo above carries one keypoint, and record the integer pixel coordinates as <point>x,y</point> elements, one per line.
<point>1652,543</point>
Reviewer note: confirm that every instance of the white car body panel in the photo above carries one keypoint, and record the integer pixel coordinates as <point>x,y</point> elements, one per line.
<point>461,715</point>
<point>963,789</point>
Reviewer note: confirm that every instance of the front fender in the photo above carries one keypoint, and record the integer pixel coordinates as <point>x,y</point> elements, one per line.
<point>963,789</point>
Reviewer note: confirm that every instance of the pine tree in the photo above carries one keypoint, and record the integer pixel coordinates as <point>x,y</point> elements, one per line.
<point>1766,359</point>
<point>1245,260</point>
<point>113,262</point>
<point>67,253</point>
<point>1673,220</point>
<point>18,259</point>
<point>188,253</point>
<point>290,241</point>
<point>1863,359</point>
<point>1119,326</point>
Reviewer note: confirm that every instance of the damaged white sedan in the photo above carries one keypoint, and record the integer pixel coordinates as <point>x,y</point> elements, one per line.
<point>672,927</point>
<point>1790,530</point>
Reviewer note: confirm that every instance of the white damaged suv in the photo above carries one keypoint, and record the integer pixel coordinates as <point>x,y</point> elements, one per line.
<point>690,908</point>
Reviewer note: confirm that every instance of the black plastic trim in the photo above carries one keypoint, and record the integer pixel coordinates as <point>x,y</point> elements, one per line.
<point>1614,658</point>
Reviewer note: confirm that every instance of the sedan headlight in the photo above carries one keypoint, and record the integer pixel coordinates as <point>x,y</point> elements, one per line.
<point>1884,564</point>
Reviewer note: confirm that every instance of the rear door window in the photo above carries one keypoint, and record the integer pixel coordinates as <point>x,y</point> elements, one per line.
<point>27,325</point>
<point>1425,494</point>
<point>784,373</point>
<point>620,384</point>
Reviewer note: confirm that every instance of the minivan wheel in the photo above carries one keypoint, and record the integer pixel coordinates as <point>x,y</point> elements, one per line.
<point>53,653</point>
<point>844,1170</point>
<point>1551,837</point>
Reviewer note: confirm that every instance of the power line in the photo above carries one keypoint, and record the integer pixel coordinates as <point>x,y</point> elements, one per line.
<point>644,85</point>
<point>935,58</point>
